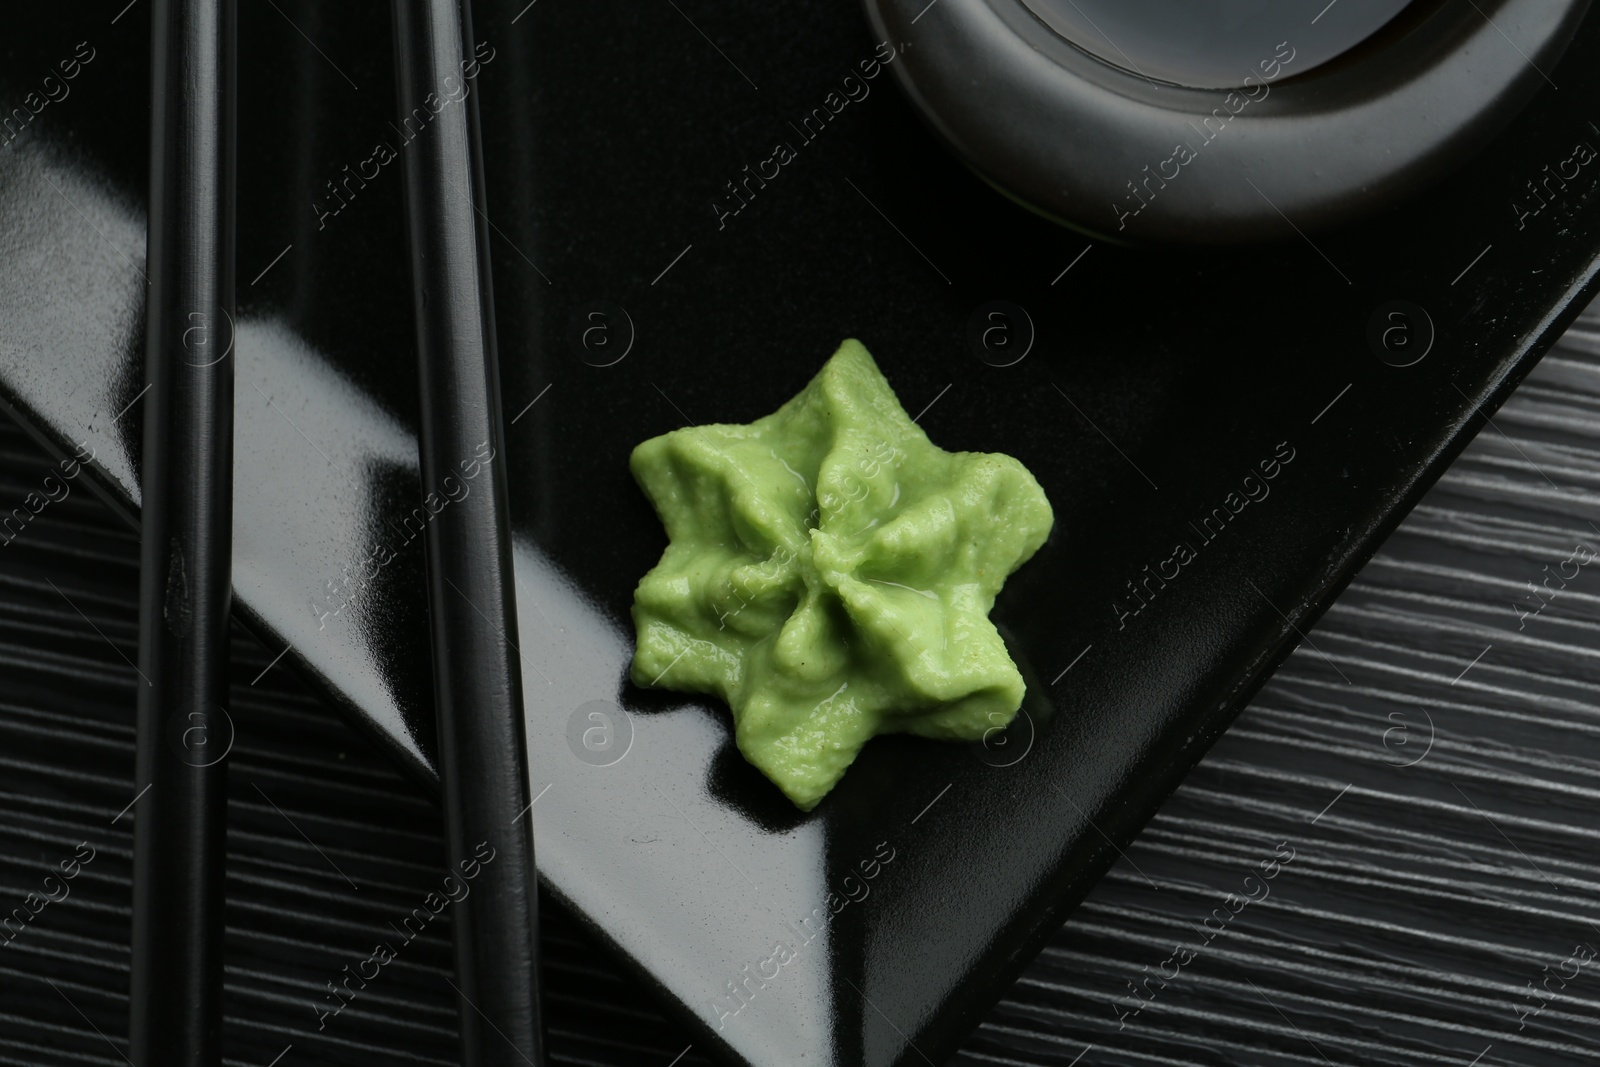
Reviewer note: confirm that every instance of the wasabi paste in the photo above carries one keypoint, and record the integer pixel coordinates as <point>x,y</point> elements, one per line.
<point>830,573</point>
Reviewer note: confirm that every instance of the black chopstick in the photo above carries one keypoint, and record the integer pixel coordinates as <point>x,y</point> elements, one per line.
<point>471,599</point>
<point>186,517</point>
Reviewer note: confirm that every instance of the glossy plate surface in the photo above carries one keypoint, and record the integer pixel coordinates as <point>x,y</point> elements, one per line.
<point>1274,410</point>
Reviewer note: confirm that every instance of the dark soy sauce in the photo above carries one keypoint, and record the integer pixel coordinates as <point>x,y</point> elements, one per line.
<point>1215,44</point>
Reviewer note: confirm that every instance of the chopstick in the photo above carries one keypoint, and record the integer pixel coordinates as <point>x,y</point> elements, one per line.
<point>186,516</point>
<point>471,597</point>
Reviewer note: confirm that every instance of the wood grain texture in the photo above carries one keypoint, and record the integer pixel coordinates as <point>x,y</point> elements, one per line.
<point>1430,756</point>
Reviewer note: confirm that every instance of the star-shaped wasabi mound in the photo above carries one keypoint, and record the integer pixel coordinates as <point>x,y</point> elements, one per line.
<point>830,573</point>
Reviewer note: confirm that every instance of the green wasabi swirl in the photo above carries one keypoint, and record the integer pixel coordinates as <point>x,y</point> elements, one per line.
<point>830,573</point>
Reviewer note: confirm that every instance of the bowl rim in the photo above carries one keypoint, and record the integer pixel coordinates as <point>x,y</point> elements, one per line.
<point>1101,149</point>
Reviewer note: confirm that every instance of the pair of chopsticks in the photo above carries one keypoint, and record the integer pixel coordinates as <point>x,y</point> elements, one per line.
<point>186,558</point>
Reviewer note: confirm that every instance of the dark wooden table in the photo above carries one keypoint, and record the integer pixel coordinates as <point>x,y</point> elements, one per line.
<point>1392,858</point>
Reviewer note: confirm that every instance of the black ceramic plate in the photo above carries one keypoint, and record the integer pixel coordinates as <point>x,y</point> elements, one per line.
<point>1249,405</point>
